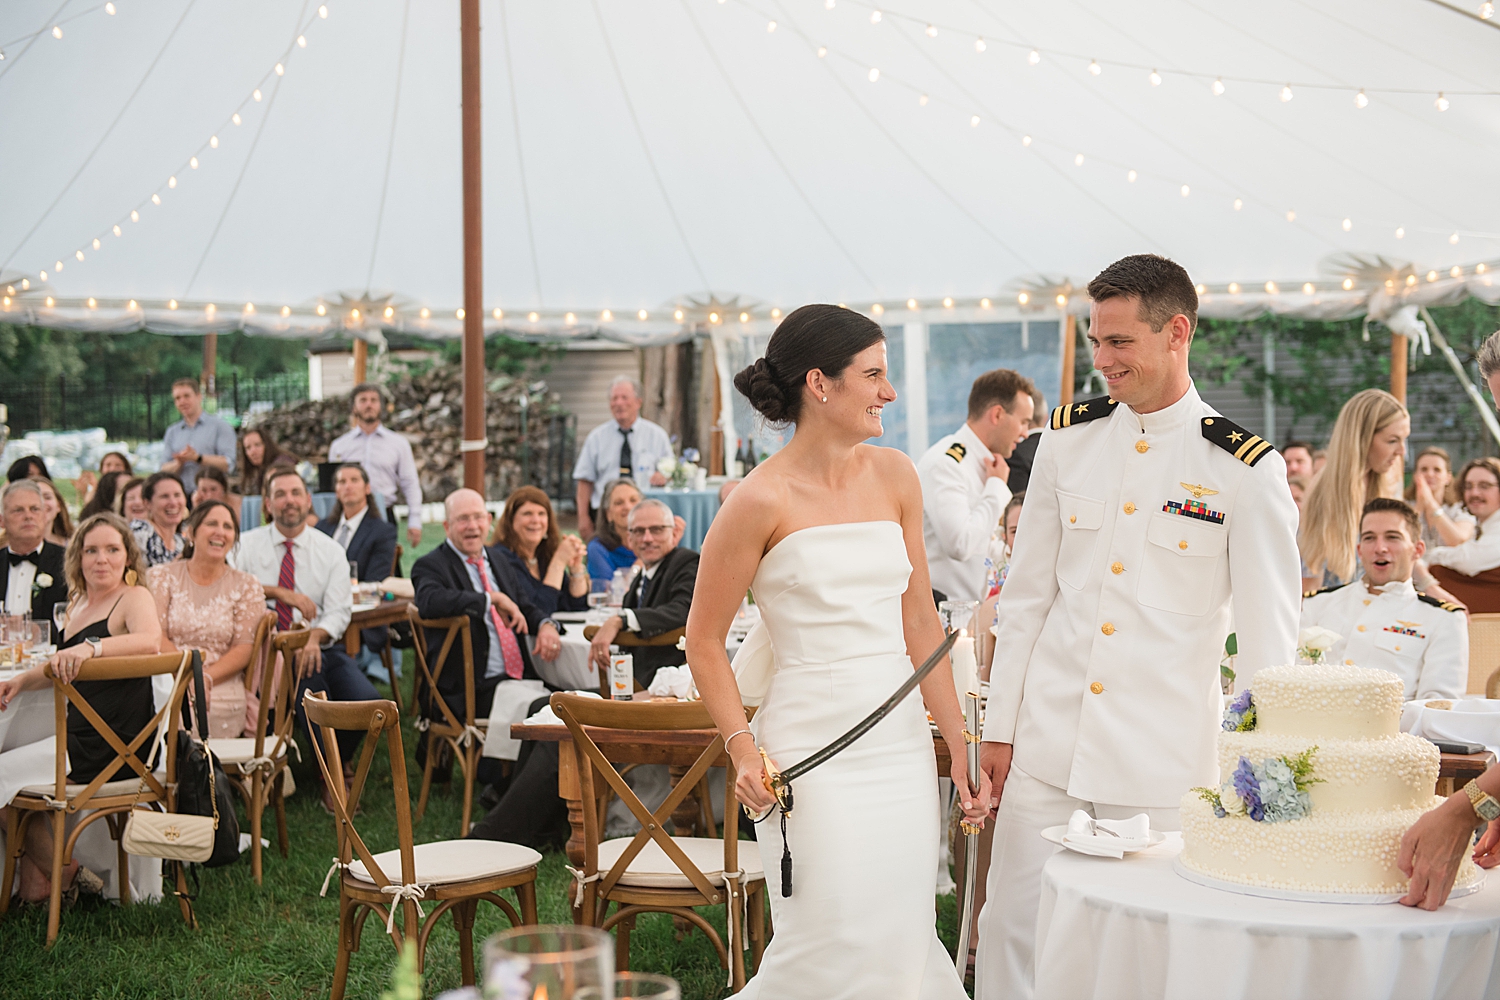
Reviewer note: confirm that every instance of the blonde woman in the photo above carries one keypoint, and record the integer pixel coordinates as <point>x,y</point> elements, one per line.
<point>1364,462</point>
<point>1434,494</point>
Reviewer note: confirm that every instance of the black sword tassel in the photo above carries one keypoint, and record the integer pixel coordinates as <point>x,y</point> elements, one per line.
<point>786,860</point>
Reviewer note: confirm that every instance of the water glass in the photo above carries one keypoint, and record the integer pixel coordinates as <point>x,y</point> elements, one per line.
<point>646,984</point>
<point>562,962</point>
<point>60,616</point>
<point>39,637</point>
<point>354,574</point>
<point>598,593</point>
<point>956,614</point>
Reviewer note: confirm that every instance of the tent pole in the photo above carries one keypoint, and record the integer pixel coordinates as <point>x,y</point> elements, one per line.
<point>361,359</point>
<point>473,442</point>
<point>1398,366</point>
<point>1070,345</point>
<point>210,363</point>
<point>1486,412</point>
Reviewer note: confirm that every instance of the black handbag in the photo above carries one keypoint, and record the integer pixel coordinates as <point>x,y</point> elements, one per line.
<point>198,794</point>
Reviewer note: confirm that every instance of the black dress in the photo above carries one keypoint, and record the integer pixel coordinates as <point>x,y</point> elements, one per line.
<point>126,706</point>
<point>549,599</point>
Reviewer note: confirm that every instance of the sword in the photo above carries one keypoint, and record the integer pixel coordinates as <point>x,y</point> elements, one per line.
<point>781,781</point>
<point>971,835</point>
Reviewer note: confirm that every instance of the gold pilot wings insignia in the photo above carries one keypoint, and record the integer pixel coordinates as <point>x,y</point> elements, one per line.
<point>1198,491</point>
<point>1082,411</point>
<point>1248,448</point>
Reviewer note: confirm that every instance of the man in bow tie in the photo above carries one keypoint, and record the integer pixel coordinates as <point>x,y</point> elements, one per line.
<point>659,596</point>
<point>33,568</point>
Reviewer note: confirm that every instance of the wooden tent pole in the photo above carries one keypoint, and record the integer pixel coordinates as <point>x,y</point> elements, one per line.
<point>1070,343</point>
<point>210,364</point>
<point>1398,366</point>
<point>473,349</point>
<point>361,359</point>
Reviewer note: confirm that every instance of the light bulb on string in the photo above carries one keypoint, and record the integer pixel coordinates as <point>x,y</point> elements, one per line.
<point>1130,176</point>
<point>249,308</point>
<point>210,308</point>
<point>874,17</point>
<point>51,302</point>
<point>922,100</point>
<point>132,304</point>
<point>301,41</point>
<point>532,317</point>
<point>458,314</point>
<point>109,9</point>
<point>25,284</point>
<point>1348,284</point>
<point>1185,191</point>
<point>57,265</point>
<point>1308,288</point>
<point>829,4</point>
<point>1061,300</point>
<point>322,310</point>
<point>425,313</point>
<point>770,27</point>
<point>979,45</point>
<point>1033,57</point>
<point>1453,238</point>
<point>973,121</point>
<point>1486,10</point>
<point>171,303</point>
<point>42,274</point>
<point>323,11</point>
<point>1479,268</point>
<point>775,313</point>
<point>57,31</point>
<point>117,230</point>
<point>78,254</point>
<point>390,311</point>
<point>1360,100</point>
<point>1286,93</point>
<point>1026,140</point>
<point>677,315</point>
<point>1023,298</point>
<point>931,31</point>
<point>213,142</point>
<point>874,74</point>
<point>1348,224</point>
<point>1271,288</point>
<point>1291,215</point>
<point>235,117</point>
<point>1441,103</point>
<point>1432,276</point>
<point>93,302</point>
<point>135,216</point>
<point>193,162</point>
<point>1200,289</point>
<point>744,317</point>
<point>255,93</point>
<point>1455,271</point>
<point>97,244</point>
<point>1234,288</point>
<point>172,181</point>
<point>642,314</point>
<point>570,319</point>
<point>947,303</point>
<point>822,51</point>
<point>280,70</point>
<point>1400,232</point>
<point>1094,68</point>
<point>1078,160</point>
<point>1411,279</point>
<point>911,304</point>
<point>1218,86</point>
<point>1155,78</point>
<point>984,303</point>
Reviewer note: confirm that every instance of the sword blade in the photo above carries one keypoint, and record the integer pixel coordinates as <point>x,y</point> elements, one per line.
<point>870,721</point>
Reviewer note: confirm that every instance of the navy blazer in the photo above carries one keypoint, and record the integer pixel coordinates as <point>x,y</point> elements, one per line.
<point>549,599</point>
<point>444,590</point>
<point>373,548</point>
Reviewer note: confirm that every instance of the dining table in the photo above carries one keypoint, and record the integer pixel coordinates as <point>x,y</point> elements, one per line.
<point>373,615</point>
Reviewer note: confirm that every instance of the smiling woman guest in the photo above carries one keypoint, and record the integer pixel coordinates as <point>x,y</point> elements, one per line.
<point>166,504</point>
<point>607,551</point>
<point>110,614</point>
<point>206,604</point>
<point>1434,492</point>
<point>549,563</point>
<point>1471,571</point>
<point>59,524</point>
<point>128,502</point>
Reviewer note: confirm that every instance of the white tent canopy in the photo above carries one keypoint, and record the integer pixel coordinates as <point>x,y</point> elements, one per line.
<point>636,154</point>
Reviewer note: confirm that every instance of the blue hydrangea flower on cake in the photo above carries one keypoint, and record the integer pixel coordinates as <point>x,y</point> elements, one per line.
<point>1273,791</point>
<point>1239,717</point>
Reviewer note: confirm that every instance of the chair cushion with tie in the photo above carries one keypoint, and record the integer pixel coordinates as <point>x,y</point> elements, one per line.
<point>652,868</point>
<point>444,861</point>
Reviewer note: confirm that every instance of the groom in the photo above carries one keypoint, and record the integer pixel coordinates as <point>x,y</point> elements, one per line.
<point>1146,512</point>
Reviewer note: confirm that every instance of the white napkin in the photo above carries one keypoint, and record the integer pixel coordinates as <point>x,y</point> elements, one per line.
<point>1125,834</point>
<point>676,682</point>
<point>547,717</point>
<point>1471,720</point>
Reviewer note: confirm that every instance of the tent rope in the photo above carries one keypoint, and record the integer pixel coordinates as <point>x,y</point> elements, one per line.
<point>390,146</point>
<point>515,121</point>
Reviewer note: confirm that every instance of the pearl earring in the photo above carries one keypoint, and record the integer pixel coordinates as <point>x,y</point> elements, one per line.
<point>825,399</point>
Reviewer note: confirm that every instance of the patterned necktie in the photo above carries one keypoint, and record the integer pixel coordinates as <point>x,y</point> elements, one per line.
<point>627,468</point>
<point>286,581</point>
<point>510,650</point>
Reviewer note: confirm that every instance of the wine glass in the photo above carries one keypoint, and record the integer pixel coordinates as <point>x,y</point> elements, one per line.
<point>561,962</point>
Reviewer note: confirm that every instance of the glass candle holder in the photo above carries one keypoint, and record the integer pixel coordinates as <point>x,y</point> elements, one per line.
<point>562,962</point>
<point>646,984</point>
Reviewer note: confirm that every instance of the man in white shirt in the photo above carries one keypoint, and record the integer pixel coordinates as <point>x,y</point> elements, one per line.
<point>306,578</point>
<point>1470,572</point>
<point>628,446</point>
<point>1381,619</point>
<point>384,455</point>
<point>963,482</point>
<point>31,574</point>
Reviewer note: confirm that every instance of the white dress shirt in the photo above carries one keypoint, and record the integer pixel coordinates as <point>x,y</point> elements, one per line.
<point>386,458</point>
<point>960,511</point>
<point>1115,611</point>
<point>321,567</point>
<point>648,573</point>
<point>599,458</point>
<point>344,533</point>
<point>1474,556</point>
<point>495,665</point>
<point>18,588</point>
<point>1423,641</point>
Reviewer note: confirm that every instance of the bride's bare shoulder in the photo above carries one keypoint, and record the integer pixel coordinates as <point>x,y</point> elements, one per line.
<point>889,463</point>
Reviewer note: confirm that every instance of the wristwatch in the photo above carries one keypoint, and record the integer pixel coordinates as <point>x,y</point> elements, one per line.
<point>97,646</point>
<point>1486,806</point>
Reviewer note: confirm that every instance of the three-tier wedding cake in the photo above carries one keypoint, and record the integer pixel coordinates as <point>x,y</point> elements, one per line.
<point>1319,785</point>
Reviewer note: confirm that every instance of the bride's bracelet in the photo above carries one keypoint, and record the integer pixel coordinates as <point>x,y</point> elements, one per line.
<point>742,732</point>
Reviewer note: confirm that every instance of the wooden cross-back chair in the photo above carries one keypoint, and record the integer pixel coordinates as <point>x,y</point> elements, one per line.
<point>652,872</point>
<point>1484,653</point>
<point>257,765</point>
<point>127,780</point>
<point>456,874</point>
<point>386,656</point>
<point>434,715</point>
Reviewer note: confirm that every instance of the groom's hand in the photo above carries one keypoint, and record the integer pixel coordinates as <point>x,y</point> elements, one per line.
<point>994,760</point>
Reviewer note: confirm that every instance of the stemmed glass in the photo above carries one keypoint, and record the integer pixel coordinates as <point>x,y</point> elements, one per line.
<point>60,616</point>
<point>553,962</point>
<point>646,984</point>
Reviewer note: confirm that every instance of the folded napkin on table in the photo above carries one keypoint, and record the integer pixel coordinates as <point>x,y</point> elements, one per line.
<point>1087,835</point>
<point>1468,720</point>
<point>399,586</point>
<point>674,681</point>
<point>547,717</point>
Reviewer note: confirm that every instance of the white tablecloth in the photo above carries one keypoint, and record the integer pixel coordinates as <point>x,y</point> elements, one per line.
<point>1134,928</point>
<point>28,756</point>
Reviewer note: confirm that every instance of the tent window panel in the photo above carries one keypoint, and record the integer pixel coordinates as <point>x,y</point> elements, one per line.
<point>958,353</point>
<point>893,417</point>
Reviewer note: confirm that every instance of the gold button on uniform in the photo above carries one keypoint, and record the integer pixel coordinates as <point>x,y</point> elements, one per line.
<point>1130,508</point>
<point>1367,601</point>
<point>1117,568</point>
<point>1142,447</point>
<point>1182,545</point>
<point>1096,687</point>
<point>1360,627</point>
<point>1348,663</point>
<point>1398,649</point>
<point>1107,628</point>
<point>1073,519</point>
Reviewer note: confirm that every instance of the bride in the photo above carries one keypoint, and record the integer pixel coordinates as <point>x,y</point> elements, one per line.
<point>828,533</point>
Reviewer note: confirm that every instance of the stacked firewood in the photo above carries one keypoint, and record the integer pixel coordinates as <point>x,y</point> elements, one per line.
<point>428,409</point>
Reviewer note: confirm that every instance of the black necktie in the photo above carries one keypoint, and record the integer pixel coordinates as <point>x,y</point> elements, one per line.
<point>627,469</point>
<point>29,557</point>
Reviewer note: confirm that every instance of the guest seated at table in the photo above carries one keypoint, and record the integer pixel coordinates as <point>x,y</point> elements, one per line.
<point>1382,620</point>
<point>369,543</point>
<point>106,495</point>
<point>1470,571</point>
<point>258,452</point>
<point>111,614</point>
<point>27,467</point>
<point>166,505</point>
<point>1435,495</point>
<point>206,604</point>
<point>213,484</point>
<point>128,502</point>
<point>659,596</point>
<point>59,524</point>
<point>460,577</point>
<point>318,597</point>
<point>31,575</point>
<point>549,563</point>
<point>607,550</point>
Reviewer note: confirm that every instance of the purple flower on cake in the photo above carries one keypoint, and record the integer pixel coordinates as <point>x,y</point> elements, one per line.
<point>1239,717</point>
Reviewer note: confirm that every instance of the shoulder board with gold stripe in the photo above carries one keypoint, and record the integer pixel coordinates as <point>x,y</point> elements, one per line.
<point>1445,605</point>
<point>1248,448</point>
<point>1082,412</point>
<point>1325,590</point>
<point>956,451</point>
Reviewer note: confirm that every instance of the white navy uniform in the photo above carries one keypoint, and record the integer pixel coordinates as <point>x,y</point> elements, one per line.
<point>1136,531</point>
<point>960,509</point>
<point>1420,639</point>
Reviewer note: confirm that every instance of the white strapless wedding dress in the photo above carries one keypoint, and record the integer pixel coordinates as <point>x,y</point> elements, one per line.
<point>864,827</point>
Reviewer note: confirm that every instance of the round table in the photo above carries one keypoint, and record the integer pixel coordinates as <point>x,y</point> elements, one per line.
<point>1135,928</point>
<point>696,507</point>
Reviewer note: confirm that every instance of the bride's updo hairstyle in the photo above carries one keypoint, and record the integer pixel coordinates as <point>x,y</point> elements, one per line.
<point>815,336</point>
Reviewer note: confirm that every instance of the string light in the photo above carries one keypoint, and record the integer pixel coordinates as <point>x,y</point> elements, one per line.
<point>322,309</point>
<point>457,313</point>
<point>287,310</point>
<point>947,303</point>
<point>109,9</point>
<point>1431,275</point>
<point>135,216</point>
<point>677,315</point>
<point>1200,289</point>
<point>1078,160</point>
<point>235,117</point>
<point>1400,232</point>
<point>570,319</point>
<point>1291,215</point>
<point>1218,86</point>
<point>172,181</point>
<point>56,33</point>
<point>973,121</point>
<point>874,17</point>
<point>745,317</point>
<point>1023,298</point>
<point>210,308</point>
<point>78,254</point>
<point>323,12</point>
<point>92,303</point>
<point>117,230</point>
<point>979,45</point>
<point>1348,284</point>
<point>97,244</point>
<point>213,141</point>
<point>1348,224</point>
<point>25,284</point>
<point>193,162</point>
<point>822,51</point>
<point>1286,93</point>
<point>425,313</point>
<point>1155,78</point>
<point>1308,288</point>
<point>1033,57</point>
<point>1234,288</point>
<point>1441,103</point>
<point>911,304</point>
<point>1453,238</point>
<point>1486,10</point>
<point>1360,100</point>
<point>641,315</point>
<point>1479,268</point>
<point>1130,176</point>
<point>255,94</point>
<point>1411,279</point>
<point>1061,300</point>
<point>390,311</point>
<point>249,308</point>
<point>874,74</point>
<point>171,303</point>
<point>984,303</point>
<point>1270,288</point>
<point>770,27</point>
<point>931,31</point>
<point>1026,140</point>
<point>50,300</point>
<point>922,100</point>
<point>1094,68</point>
<point>497,313</point>
<point>131,305</point>
<point>301,41</point>
<point>1184,190</point>
<point>532,317</point>
<point>775,313</point>
<point>1455,271</point>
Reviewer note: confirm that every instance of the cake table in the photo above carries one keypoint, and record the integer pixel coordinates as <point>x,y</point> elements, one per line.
<point>1134,928</point>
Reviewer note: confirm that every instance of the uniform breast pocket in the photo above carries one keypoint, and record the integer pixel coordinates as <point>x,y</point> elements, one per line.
<point>1081,518</point>
<point>1181,564</point>
<point>1406,647</point>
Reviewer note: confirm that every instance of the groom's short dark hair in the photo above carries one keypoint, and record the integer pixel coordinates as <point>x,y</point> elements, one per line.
<point>1161,287</point>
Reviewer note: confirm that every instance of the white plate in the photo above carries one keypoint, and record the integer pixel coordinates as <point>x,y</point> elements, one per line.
<point>1296,896</point>
<point>371,606</point>
<point>1055,835</point>
<point>572,616</point>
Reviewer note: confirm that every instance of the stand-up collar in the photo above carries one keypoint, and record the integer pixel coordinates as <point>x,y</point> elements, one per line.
<point>1172,416</point>
<point>1396,588</point>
